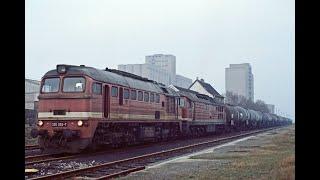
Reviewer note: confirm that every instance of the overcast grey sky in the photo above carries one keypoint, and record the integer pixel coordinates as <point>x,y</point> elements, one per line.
<point>204,35</point>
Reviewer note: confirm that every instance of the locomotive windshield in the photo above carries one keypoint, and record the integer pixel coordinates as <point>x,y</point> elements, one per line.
<point>50,85</point>
<point>73,84</point>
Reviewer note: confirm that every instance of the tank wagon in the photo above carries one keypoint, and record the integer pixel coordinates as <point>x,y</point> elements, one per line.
<point>82,108</point>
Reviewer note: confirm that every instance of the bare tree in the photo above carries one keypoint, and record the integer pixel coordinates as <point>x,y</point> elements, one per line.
<point>239,100</point>
<point>261,106</point>
<point>232,98</point>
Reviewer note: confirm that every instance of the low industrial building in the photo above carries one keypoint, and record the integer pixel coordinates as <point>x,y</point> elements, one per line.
<point>32,89</point>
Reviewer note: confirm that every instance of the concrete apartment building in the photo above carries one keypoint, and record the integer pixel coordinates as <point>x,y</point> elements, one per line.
<point>148,71</point>
<point>182,81</point>
<point>160,68</point>
<point>164,61</point>
<point>239,80</point>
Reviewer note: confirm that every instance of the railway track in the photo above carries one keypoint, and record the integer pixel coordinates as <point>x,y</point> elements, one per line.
<point>31,147</point>
<point>42,158</point>
<point>29,160</point>
<point>125,166</point>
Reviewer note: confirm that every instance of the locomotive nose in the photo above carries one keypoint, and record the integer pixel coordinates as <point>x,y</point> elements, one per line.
<point>35,133</point>
<point>67,133</point>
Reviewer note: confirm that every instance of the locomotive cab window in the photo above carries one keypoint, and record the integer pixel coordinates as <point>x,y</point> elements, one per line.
<point>114,91</point>
<point>140,96</point>
<point>133,95</point>
<point>50,85</point>
<point>181,102</point>
<point>74,84</point>
<point>151,97</point>
<point>126,94</point>
<point>97,88</point>
<point>157,98</point>
<point>146,97</point>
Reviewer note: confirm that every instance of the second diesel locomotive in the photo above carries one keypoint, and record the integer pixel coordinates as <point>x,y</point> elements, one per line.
<point>82,107</point>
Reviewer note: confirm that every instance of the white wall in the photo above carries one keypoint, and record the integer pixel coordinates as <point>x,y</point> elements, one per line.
<point>200,89</point>
<point>236,81</point>
<point>148,71</point>
<point>160,68</point>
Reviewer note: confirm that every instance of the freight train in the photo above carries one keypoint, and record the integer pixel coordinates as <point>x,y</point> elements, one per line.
<point>83,108</point>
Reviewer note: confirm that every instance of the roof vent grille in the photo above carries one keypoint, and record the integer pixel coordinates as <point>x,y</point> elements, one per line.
<point>164,90</point>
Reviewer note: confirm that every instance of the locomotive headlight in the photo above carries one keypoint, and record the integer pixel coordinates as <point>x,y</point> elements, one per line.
<point>80,123</point>
<point>61,68</point>
<point>40,123</point>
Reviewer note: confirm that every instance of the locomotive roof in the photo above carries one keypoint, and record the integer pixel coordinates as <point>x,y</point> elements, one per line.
<point>114,76</point>
<point>196,96</point>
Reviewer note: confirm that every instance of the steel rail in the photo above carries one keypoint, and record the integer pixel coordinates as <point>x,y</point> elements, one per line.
<point>31,147</point>
<point>46,158</point>
<point>121,173</point>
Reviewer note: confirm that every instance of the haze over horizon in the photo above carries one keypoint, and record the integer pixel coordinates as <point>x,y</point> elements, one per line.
<point>204,35</point>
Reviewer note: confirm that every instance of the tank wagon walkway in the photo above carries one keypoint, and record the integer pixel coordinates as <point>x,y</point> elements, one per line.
<point>269,155</point>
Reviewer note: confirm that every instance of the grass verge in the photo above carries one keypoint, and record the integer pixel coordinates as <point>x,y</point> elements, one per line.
<point>273,159</point>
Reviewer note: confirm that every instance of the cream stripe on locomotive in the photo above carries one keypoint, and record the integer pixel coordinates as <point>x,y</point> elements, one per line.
<point>82,115</point>
<point>138,116</point>
<point>71,115</point>
<point>130,116</point>
<point>141,116</point>
<point>211,120</point>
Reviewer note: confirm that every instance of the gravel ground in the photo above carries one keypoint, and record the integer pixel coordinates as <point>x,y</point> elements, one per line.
<point>117,154</point>
<point>268,155</point>
<point>32,152</point>
<point>174,171</point>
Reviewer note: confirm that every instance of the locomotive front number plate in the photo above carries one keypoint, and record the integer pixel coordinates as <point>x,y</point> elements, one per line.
<point>59,124</point>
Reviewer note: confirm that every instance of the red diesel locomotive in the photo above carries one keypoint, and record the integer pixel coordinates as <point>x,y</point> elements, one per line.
<point>82,108</point>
